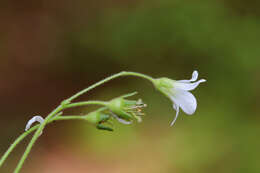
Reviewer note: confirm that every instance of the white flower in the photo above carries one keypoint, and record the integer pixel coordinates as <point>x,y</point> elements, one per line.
<point>178,92</point>
<point>32,120</point>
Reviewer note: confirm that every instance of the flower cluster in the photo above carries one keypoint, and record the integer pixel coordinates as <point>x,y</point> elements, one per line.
<point>123,110</point>
<point>126,111</point>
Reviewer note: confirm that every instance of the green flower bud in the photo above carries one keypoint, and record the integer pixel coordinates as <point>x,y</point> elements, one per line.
<point>126,110</point>
<point>99,119</point>
<point>118,106</point>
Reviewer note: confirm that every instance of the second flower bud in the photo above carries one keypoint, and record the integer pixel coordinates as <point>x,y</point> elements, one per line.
<point>125,111</point>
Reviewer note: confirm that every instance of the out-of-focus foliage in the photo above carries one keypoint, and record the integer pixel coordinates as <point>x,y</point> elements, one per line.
<point>48,53</point>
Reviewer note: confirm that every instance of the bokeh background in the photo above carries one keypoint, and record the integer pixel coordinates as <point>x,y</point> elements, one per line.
<point>51,49</point>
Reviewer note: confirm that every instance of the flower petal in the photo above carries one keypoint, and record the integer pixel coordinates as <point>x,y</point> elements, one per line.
<point>186,85</point>
<point>120,119</point>
<point>185,100</point>
<point>177,108</point>
<point>194,77</point>
<point>32,120</point>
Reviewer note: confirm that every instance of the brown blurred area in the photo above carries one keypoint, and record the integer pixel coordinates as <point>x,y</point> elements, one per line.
<point>33,50</point>
<point>51,49</point>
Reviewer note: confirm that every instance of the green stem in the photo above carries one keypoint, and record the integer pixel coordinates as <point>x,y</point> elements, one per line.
<point>65,104</point>
<point>26,133</point>
<point>47,119</point>
<point>72,105</point>
<point>123,73</point>
<point>35,137</point>
<point>17,141</point>
<point>149,78</point>
<point>68,117</point>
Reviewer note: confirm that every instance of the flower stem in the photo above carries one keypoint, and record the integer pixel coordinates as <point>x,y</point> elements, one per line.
<point>123,73</point>
<point>72,105</point>
<point>149,78</point>
<point>68,117</point>
<point>17,141</point>
<point>35,137</point>
<point>66,104</point>
<point>47,119</point>
<point>26,133</point>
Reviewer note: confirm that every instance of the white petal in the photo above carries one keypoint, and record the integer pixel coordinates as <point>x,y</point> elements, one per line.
<point>186,85</point>
<point>176,107</point>
<point>185,100</point>
<point>194,77</point>
<point>34,119</point>
<point>120,119</point>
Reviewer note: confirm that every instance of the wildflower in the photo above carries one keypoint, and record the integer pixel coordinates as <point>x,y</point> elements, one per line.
<point>126,110</point>
<point>178,92</point>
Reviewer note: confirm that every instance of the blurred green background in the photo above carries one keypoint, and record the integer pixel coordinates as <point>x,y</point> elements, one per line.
<point>51,49</point>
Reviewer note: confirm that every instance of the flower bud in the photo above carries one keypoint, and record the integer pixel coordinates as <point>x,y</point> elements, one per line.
<point>99,119</point>
<point>126,110</point>
<point>118,106</point>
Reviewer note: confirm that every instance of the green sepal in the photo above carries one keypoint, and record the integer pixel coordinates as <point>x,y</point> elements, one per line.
<point>97,117</point>
<point>117,106</point>
<point>129,94</point>
<point>102,127</point>
<point>163,83</point>
<point>124,115</point>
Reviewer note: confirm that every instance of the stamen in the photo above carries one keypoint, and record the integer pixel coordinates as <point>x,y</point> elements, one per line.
<point>140,113</point>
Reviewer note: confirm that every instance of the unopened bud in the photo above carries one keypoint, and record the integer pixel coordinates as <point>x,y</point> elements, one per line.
<point>126,110</point>
<point>99,119</point>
